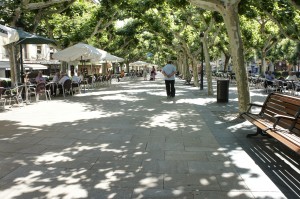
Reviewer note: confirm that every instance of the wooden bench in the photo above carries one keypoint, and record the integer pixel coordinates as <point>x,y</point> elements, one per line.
<point>279,118</point>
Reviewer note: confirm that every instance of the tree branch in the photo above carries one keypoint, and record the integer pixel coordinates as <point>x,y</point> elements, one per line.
<point>281,28</point>
<point>40,5</point>
<point>97,28</point>
<point>296,5</point>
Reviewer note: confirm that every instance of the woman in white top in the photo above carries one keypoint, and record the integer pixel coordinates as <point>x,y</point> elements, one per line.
<point>293,78</point>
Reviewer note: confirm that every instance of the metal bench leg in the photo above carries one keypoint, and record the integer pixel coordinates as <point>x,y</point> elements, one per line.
<point>258,132</point>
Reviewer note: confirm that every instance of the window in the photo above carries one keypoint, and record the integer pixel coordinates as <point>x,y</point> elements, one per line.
<point>38,50</point>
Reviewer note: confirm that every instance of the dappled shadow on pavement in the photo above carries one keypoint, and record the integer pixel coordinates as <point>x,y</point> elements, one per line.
<point>125,141</point>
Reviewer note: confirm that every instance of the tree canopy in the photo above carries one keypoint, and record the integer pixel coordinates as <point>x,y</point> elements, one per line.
<point>157,30</point>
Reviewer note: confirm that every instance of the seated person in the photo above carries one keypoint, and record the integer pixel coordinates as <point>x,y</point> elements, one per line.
<point>270,77</point>
<point>39,78</point>
<point>122,74</point>
<point>76,80</point>
<point>80,76</point>
<point>26,79</point>
<point>291,77</point>
<point>53,87</point>
<point>64,77</point>
<point>56,77</point>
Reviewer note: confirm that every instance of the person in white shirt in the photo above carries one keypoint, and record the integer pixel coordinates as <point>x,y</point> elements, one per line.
<point>62,81</point>
<point>53,86</point>
<point>56,77</point>
<point>270,77</point>
<point>169,72</point>
<point>76,79</point>
<point>292,78</point>
<point>80,76</point>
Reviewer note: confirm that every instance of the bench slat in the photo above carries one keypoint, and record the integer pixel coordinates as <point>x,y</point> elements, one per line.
<point>283,98</point>
<point>286,140</point>
<point>282,108</point>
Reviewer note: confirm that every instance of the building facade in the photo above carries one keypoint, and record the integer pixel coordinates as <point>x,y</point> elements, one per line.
<point>35,57</point>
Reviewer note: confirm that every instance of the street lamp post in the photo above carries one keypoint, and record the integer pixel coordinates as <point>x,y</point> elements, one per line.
<point>202,55</point>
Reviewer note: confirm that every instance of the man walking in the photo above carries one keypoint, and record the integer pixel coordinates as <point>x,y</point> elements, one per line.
<point>169,72</point>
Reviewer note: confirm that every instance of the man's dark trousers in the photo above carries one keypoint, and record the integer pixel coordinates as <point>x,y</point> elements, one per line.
<point>170,88</point>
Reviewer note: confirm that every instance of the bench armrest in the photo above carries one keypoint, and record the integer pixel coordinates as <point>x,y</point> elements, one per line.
<point>251,105</point>
<point>278,117</point>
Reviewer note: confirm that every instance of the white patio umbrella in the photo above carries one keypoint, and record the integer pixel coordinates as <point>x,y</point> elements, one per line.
<point>118,59</point>
<point>78,52</point>
<point>8,35</point>
<point>138,63</point>
<point>106,56</point>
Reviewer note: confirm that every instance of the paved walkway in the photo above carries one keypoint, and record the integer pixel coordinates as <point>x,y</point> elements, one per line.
<point>129,141</point>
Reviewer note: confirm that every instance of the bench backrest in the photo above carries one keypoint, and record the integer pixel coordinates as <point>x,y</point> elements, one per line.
<point>280,104</point>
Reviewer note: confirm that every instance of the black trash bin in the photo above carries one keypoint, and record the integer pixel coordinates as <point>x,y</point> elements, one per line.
<point>222,90</point>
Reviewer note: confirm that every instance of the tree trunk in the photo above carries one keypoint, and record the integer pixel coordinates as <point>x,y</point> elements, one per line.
<point>12,62</point>
<point>231,19</point>
<point>226,62</point>
<point>187,73</point>
<point>263,62</point>
<point>207,67</point>
<point>180,63</point>
<point>195,73</point>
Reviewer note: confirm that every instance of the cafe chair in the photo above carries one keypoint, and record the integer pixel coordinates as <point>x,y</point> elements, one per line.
<point>42,90</point>
<point>67,87</point>
<point>76,87</point>
<point>14,94</point>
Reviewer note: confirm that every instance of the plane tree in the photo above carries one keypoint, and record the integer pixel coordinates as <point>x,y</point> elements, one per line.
<point>229,12</point>
<point>270,23</point>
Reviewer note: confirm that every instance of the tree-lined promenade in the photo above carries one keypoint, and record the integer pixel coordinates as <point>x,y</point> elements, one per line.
<point>157,30</point>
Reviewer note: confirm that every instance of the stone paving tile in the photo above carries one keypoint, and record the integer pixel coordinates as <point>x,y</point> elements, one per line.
<point>34,149</point>
<point>117,165</point>
<point>223,195</point>
<point>6,168</point>
<point>266,194</point>
<point>232,181</point>
<point>140,155</point>
<point>161,193</point>
<point>185,155</point>
<point>136,131</point>
<point>57,141</point>
<point>128,145</point>
<point>114,137</point>
<point>165,166</point>
<point>217,156</point>
<point>21,138</point>
<point>167,146</point>
<point>116,193</point>
<point>141,138</point>
<point>191,182</point>
<point>83,135</point>
<point>200,167</point>
<point>174,139</point>
<point>164,132</point>
<point>13,147</point>
<point>126,179</point>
